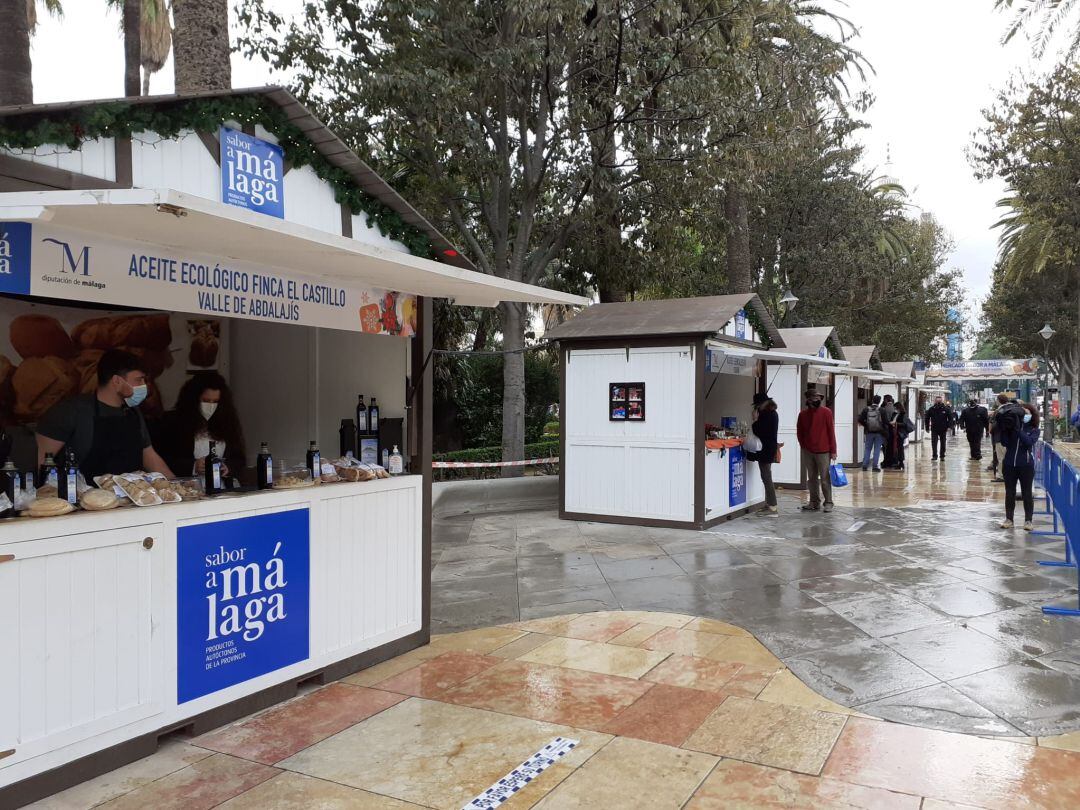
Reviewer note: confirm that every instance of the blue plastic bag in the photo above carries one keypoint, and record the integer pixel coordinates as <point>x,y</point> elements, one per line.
<point>837,474</point>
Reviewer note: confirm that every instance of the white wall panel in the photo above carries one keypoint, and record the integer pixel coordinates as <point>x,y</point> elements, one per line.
<point>310,201</point>
<point>785,387</point>
<point>368,232</point>
<point>659,482</point>
<point>182,163</point>
<point>844,416</point>
<point>592,480</point>
<point>96,158</point>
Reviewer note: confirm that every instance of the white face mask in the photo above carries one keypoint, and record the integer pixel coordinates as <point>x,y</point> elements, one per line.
<point>207,409</point>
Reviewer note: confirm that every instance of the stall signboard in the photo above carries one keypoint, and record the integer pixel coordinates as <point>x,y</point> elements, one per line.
<point>252,173</point>
<point>737,365</point>
<point>737,482</point>
<point>242,600</point>
<point>1025,369</point>
<point>740,324</point>
<point>714,360</point>
<point>70,265</point>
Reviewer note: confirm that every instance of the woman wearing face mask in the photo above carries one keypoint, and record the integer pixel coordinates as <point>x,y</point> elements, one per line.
<point>1019,435</point>
<point>105,429</point>
<point>204,413</point>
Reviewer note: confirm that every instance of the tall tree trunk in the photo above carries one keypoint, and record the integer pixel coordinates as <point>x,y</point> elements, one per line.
<point>16,84</point>
<point>201,45</point>
<point>738,241</point>
<point>132,46</point>
<point>513,421</point>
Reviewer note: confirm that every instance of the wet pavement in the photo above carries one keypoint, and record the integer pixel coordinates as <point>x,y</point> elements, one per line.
<point>907,603</point>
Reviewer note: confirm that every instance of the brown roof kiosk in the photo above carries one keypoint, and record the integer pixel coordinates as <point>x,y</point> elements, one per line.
<point>864,364</point>
<point>639,382</point>
<point>123,625</point>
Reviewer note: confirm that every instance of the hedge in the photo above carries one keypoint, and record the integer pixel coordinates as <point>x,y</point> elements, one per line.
<point>536,450</point>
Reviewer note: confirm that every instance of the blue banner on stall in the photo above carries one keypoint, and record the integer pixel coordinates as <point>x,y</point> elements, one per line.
<point>242,600</point>
<point>252,173</point>
<point>740,324</point>
<point>737,484</point>
<point>15,257</point>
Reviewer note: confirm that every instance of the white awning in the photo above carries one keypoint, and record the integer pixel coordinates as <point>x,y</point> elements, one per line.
<point>791,358</point>
<point>181,221</point>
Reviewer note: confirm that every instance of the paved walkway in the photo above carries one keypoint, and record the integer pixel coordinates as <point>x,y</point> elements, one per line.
<point>906,603</point>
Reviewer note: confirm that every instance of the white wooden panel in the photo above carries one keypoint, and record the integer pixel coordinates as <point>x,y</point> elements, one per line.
<point>785,388</point>
<point>659,482</point>
<point>96,158</point>
<point>844,417</point>
<point>310,201</point>
<point>182,163</point>
<point>367,232</point>
<point>593,479</point>
<point>912,406</point>
<point>79,616</point>
<point>716,484</point>
<point>755,490</point>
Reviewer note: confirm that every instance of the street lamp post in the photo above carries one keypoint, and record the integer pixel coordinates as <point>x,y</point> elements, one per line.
<point>1046,333</point>
<point>789,300</point>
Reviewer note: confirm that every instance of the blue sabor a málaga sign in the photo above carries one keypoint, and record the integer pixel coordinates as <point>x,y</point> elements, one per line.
<point>15,257</point>
<point>737,483</point>
<point>242,600</point>
<point>252,173</point>
<point>740,324</point>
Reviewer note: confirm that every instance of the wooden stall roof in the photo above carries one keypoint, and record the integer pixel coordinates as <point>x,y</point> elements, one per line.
<point>667,317</point>
<point>863,356</point>
<point>900,368</point>
<point>321,137</point>
<point>809,340</point>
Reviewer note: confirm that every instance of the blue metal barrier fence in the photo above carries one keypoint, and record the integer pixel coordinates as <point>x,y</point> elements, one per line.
<point>1062,487</point>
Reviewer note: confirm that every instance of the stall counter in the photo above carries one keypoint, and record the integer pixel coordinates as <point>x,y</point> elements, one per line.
<point>732,482</point>
<point>122,624</point>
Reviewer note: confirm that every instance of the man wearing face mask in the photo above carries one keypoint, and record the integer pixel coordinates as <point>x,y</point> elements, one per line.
<point>816,432</point>
<point>105,429</point>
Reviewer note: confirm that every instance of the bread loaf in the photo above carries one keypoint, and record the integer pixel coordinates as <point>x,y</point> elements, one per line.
<point>49,507</point>
<point>41,382</point>
<point>142,331</point>
<point>40,336</point>
<point>96,500</point>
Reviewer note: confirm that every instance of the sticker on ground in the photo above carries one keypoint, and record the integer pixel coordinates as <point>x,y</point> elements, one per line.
<point>522,774</point>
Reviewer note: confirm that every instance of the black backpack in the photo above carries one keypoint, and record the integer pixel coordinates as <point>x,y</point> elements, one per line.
<point>1009,418</point>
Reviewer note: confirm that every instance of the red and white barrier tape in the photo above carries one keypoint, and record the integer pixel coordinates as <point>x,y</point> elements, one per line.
<point>524,462</point>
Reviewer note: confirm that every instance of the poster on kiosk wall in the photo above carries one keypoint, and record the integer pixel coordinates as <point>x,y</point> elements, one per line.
<point>242,600</point>
<point>737,483</point>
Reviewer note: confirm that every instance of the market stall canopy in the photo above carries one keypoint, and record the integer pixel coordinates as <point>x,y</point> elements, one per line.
<point>670,317</point>
<point>789,358</point>
<point>863,357</point>
<point>900,370</point>
<point>811,340</point>
<point>183,223</point>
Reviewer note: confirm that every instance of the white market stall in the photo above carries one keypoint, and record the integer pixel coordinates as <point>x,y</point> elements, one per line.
<point>814,356</point>
<point>641,381</point>
<point>125,625</point>
<point>865,364</point>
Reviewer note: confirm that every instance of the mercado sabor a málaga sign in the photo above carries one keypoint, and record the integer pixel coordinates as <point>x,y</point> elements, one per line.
<point>984,370</point>
<point>71,265</point>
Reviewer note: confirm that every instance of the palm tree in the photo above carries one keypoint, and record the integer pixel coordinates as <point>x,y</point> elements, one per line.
<point>16,81</point>
<point>1044,18</point>
<point>201,45</point>
<point>147,50</point>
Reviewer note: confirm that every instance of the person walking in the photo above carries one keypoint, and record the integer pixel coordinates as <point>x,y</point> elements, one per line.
<point>888,410</point>
<point>975,420</point>
<point>939,419</point>
<point>874,431</point>
<point>816,432</point>
<point>765,426</point>
<point>902,428</point>
<point>1018,434</point>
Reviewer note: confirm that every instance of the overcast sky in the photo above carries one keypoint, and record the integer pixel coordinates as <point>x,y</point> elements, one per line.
<point>936,65</point>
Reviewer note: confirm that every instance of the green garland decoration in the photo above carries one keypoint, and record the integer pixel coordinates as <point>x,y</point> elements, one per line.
<point>755,321</point>
<point>122,120</point>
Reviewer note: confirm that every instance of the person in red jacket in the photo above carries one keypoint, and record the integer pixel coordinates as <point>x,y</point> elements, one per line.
<point>817,438</point>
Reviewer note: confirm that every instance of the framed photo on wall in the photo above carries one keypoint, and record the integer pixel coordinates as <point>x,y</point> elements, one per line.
<point>626,402</point>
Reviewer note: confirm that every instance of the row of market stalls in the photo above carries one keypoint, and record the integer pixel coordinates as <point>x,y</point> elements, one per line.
<point>657,399</point>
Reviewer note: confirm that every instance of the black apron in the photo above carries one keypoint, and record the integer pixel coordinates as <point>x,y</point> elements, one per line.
<point>117,447</point>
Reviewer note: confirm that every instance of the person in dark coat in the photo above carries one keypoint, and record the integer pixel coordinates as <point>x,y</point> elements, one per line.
<point>939,418</point>
<point>1018,438</point>
<point>975,420</point>
<point>765,426</point>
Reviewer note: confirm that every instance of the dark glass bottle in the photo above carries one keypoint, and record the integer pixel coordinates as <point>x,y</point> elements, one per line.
<point>373,417</point>
<point>212,471</point>
<point>264,467</point>
<point>361,415</point>
<point>47,475</point>
<point>314,461</point>
<point>68,479</point>
<point>10,485</point>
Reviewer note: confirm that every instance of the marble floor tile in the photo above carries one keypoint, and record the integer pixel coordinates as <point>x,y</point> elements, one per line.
<point>610,552</point>
<point>694,673</point>
<point>718,627</point>
<point>749,682</point>
<point>598,626</point>
<point>552,694</point>
<point>282,730</point>
<point>657,590</point>
<point>568,599</point>
<point>963,600</point>
<point>709,559</point>
<point>788,690</point>
<point>941,707</point>
<point>593,656</point>
<point>665,714</point>
<point>954,767</point>
<point>520,646</point>
<point>632,773</point>
<point>1038,700</point>
<point>637,634</point>
<point>294,791</point>
<point>549,626</point>
<point>1065,742</point>
<point>746,651</point>
<point>769,734</point>
<point>886,614</point>
<point>171,756</point>
<point>660,617</point>
<point>440,756</point>
<point>742,786</point>
<point>1027,631</point>
<point>380,672</point>
<point>480,642</point>
<point>200,786</point>
<point>684,641</point>
<point>952,651</point>
<point>859,672</point>
<point>432,677</point>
